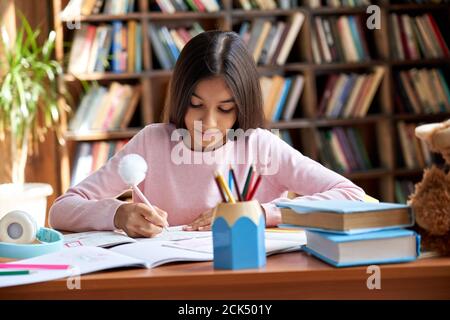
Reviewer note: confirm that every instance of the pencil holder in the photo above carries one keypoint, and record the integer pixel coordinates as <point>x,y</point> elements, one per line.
<point>238,235</point>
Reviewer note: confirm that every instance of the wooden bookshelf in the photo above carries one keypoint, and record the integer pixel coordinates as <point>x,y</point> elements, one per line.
<point>379,125</point>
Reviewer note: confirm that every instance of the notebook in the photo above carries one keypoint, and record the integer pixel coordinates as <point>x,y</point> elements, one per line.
<point>168,247</point>
<point>345,216</point>
<point>274,243</point>
<point>386,246</point>
<point>108,239</point>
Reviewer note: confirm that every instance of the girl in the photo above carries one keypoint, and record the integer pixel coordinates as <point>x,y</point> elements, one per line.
<point>214,88</point>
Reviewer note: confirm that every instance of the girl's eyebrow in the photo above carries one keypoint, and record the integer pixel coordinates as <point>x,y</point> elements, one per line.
<point>224,101</point>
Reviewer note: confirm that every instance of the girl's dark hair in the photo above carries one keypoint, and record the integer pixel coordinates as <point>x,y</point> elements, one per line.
<point>211,54</point>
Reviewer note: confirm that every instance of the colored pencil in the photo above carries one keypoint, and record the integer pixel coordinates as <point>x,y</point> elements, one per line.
<point>247,182</point>
<point>14,273</point>
<point>251,184</point>
<point>225,187</point>
<point>254,188</point>
<point>236,185</point>
<point>224,199</point>
<point>34,266</point>
<point>230,181</point>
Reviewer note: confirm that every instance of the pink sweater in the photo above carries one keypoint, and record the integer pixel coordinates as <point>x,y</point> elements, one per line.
<point>181,181</point>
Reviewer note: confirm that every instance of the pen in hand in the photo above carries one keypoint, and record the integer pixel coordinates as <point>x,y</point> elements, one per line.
<point>132,169</point>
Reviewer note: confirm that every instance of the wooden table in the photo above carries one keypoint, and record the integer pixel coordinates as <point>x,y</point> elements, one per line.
<point>286,276</point>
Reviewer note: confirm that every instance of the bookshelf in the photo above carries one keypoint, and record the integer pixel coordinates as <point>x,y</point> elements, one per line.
<point>378,127</point>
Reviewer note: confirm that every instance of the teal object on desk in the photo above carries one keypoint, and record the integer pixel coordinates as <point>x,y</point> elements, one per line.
<point>18,232</point>
<point>239,236</point>
<point>51,241</point>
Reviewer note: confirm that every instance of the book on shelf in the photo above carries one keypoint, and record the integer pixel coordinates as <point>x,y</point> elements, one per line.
<point>403,189</point>
<point>379,247</point>
<point>92,44</point>
<point>167,43</point>
<point>339,39</point>
<point>415,153</point>
<point>172,6</point>
<point>86,252</point>
<point>422,91</point>
<point>295,23</point>
<point>281,96</point>
<point>285,136</point>
<point>336,3</point>
<point>268,4</point>
<point>288,109</point>
<point>90,156</point>
<point>416,37</point>
<point>345,216</point>
<point>349,95</point>
<point>104,108</point>
<point>270,41</point>
<point>343,149</point>
<point>76,8</point>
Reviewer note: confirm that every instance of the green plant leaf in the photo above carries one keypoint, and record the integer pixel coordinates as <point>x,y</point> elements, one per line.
<point>29,87</point>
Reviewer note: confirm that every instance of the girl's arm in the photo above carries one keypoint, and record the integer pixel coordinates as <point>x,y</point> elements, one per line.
<point>92,204</point>
<point>292,171</point>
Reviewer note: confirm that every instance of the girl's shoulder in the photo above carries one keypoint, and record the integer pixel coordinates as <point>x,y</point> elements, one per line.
<point>266,139</point>
<point>263,134</point>
<point>158,131</point>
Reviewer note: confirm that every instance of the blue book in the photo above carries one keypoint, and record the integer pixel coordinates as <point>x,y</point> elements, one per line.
<point>387,246</point>
<point>280,106</point>
<point>116,47</point>
<point>167,38</point>
<point>161,53</point>
<point>344,216</point>
<point>356,38</point>
<point>138,41</point>
<point>343,97</point>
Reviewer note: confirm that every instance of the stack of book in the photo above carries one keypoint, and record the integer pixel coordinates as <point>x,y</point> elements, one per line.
<point>348,233</point>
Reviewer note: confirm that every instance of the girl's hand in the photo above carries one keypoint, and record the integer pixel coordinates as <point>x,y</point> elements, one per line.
<point>138,220</point>
<point>202,223</point>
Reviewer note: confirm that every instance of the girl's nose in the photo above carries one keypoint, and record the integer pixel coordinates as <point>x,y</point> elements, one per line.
<point>209,120</point>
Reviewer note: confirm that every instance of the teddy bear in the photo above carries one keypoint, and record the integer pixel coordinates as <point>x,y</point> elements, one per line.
<point>431,198</point>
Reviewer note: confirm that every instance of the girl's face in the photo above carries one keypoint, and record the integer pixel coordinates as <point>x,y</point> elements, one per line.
<point>212,110</point>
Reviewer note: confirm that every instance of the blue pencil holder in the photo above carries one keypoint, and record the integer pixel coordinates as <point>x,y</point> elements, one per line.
<point>238,231</point>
